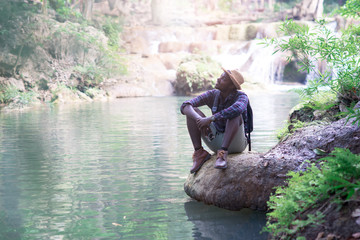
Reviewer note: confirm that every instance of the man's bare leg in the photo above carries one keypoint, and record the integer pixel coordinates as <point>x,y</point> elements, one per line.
<point>200,154</point>
<point>194,131</point>
<point>232,126</point>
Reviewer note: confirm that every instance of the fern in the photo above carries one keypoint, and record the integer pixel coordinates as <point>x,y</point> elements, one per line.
<point>337,178</point>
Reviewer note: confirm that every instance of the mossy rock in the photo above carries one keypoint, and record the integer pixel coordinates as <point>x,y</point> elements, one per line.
<point>251,32</point>
<point>195,74</point>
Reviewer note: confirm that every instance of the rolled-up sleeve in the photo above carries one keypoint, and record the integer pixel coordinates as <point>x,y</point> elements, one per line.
<point>206,98</point>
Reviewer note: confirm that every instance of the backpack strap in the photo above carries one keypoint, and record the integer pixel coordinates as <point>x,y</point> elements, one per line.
<point>216,102</point>
<point>249,124</point>
<point>249,140</point>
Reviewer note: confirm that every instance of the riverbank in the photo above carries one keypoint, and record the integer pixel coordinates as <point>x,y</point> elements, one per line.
<point>63,61</point>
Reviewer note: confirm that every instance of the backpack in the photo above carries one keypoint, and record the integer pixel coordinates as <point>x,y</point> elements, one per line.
<point>249,124</point>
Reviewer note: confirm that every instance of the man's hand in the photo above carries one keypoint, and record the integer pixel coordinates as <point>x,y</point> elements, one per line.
<point>203,122</point>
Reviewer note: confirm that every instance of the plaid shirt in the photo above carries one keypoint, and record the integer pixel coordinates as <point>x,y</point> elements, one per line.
<point>233,106</point>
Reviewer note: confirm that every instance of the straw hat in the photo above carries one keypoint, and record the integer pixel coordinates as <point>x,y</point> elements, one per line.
<point>236,77</point>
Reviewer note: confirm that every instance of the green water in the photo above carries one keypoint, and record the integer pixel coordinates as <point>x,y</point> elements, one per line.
<point>115,170</point>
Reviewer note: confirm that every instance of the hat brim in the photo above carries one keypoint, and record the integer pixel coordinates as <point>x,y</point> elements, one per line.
<point>232,79</point>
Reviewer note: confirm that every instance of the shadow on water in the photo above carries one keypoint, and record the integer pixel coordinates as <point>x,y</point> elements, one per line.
<point>214,223</point>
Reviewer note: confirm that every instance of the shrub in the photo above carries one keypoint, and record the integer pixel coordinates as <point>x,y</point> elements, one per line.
<point>112,29</point>
<point>10,94</point>
<point>7,93</point>
<point>342,77</point>
<point>196,73</point>
<point>338,179</point>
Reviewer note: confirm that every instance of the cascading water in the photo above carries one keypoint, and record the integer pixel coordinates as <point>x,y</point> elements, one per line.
<point>256,61</point>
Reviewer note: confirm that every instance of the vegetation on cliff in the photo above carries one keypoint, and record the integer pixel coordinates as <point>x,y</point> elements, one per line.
<point>308,205</point>
<point>306,200</point>
<point>43,54</point>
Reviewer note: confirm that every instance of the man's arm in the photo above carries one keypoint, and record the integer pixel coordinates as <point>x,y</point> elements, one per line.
<point>201,121</point>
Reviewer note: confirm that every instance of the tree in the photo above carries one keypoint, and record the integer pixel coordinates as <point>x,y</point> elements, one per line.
<point>158,11</point>
<point>271,4</point>
<point>86,8</point>
<point>341,54</point>
<point>44,7</point>
<point>308,9</point>
<point>112,4</point>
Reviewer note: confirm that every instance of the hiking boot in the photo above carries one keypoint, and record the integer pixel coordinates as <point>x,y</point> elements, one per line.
<point>199,157</point>
<point>221,160</point>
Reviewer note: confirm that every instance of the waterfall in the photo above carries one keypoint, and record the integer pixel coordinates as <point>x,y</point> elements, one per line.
<point>257,62</point>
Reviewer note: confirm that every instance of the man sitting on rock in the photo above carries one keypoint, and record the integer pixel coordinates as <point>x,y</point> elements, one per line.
<point>223,132</point>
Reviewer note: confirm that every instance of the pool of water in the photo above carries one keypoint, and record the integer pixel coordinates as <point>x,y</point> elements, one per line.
<point>115,170</point>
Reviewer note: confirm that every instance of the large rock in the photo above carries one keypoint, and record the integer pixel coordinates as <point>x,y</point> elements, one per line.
<point>195,74</point>
<point>251,177</point>
<point>239,186</point>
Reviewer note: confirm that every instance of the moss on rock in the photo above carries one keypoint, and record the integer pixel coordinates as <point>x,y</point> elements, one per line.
<point>196,73</point>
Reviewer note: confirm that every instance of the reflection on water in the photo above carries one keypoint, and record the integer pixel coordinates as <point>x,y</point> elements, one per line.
<point>114,170</point>
<point>214,223</point>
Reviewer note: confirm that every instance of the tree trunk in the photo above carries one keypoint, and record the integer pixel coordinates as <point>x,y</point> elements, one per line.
<point>271,4</point>
<point>87,9</point>
<point>158,11</point>
<point>256,5</point>
<point>308,10</point>
<point>112,4</point>
<point>44,7</point>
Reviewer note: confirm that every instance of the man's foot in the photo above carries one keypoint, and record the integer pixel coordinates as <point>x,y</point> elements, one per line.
<point>199,157</point>
<point>221,160</point>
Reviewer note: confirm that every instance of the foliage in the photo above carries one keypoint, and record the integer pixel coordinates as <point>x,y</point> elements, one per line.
<point>283,5</point>
<point>15,18</point>
<point>10,94</point>
<point>112,29</point>
<point>290,127</point>
<point>9,11</point>
<point>25,98</point>
<point>341,53</point>
<point>338,178</point>
<point>351,9</point>
<point>353,114</point>
<point>21,33</point>
<point>66,13</point>
<point>93,92</point>
<point>93,73</point>
<point>321,100</point>
<point>285,131</point>
<point>61,87</point>
<point>225,5</point>
<point>7,94</point>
